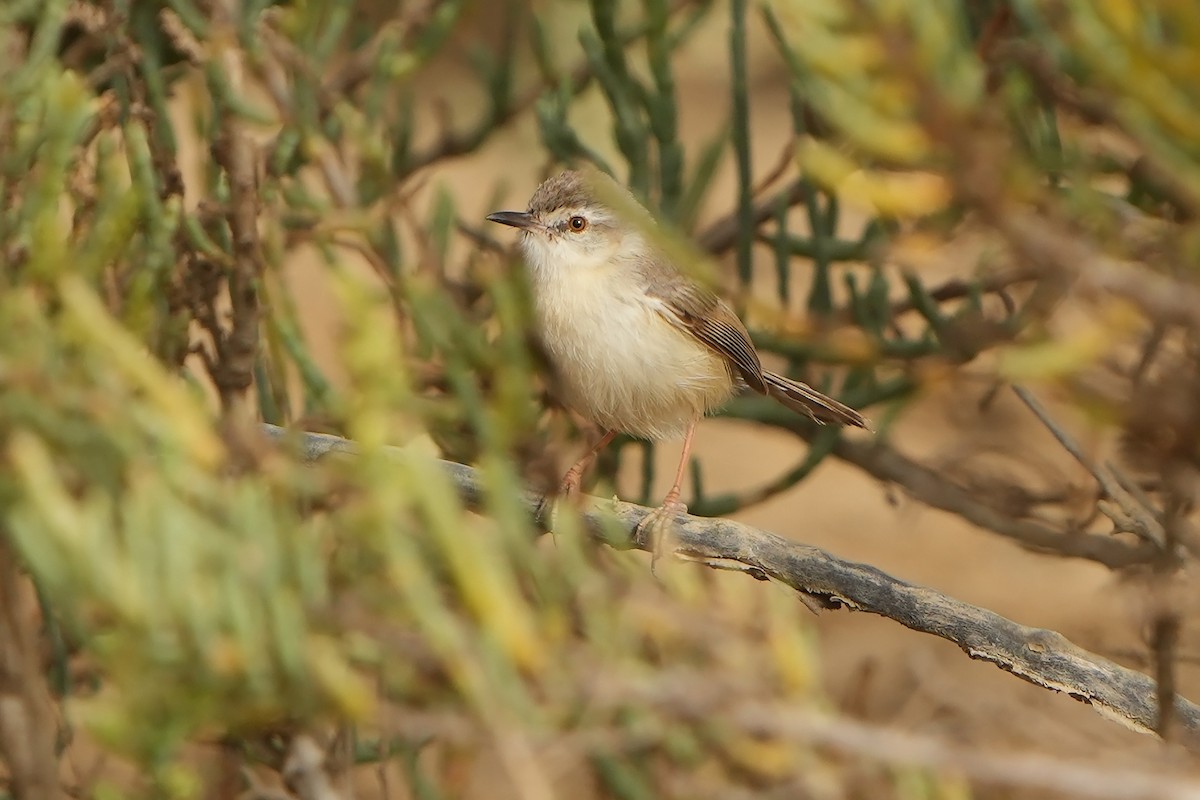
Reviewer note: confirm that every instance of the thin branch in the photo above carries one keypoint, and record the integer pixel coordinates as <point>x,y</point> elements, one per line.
<point>929,486</point>
<point>934,489</point>
<point>365,59</point>
<point>787,157</point>
<point>27,720</point>
<point>957,288</point>
<point>1141,520</point>
<point>1032,771</point>
<point>480,239</point>
<point>691,694</point>
<point>1129,484</point>
<point>1164,640</point>
<point>237,349</point>
<point>1158,295</point>
<point>721,234</point>
<point>1166,625</point>
<point>1042,657</point>
<point>1095,108</point>
<point>695,695</point>
<point>456,143</point>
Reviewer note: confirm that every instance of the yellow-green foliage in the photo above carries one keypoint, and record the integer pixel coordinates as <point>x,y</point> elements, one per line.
<point>215,585</point>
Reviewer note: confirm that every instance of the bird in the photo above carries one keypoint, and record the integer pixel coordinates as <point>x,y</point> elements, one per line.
<point>635,344</point>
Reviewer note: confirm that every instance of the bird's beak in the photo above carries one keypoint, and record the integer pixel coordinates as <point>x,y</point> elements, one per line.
<point>515,219</point>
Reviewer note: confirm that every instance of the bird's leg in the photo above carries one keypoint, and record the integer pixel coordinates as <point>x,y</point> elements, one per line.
<point>574,477</point>
<point>656,525</point>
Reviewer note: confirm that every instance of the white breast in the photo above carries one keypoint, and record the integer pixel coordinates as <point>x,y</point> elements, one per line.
<point>620,363</point>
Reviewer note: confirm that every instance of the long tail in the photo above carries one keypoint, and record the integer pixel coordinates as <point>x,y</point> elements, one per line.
<point>807,400</point>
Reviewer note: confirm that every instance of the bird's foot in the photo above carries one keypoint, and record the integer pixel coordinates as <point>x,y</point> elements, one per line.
<point>655,530</point>
<point>549,503</point>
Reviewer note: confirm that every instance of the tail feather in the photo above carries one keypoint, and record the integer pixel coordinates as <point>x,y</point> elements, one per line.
<point>807,400</point>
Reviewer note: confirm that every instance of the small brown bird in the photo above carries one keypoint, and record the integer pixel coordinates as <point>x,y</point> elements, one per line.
<point>637,346</point>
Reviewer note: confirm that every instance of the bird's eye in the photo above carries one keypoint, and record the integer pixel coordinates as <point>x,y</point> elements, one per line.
<point>577,224</point>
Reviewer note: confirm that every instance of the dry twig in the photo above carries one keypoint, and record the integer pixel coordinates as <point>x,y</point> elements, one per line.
<point>1028,771</point>
<point>1136,517</point>
<point>936,490</point>
<point>721,234</point>
<point>27,719</point>
<point>232,369</point>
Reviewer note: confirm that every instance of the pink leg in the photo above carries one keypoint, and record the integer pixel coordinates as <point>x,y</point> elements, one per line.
<point>574,476</point>
<point>570,482</point>
<point>672,497</point>
<point>657,523</point>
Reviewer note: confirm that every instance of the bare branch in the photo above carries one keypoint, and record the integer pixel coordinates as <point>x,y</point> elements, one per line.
<point>1030,771</point>
<point>692,694</point>
<point>453,143</point>
<point>27,722</point>
<point>929,486</point>
<point>1160,296</point>
<point>1164,639</point>
<point>1042,657</point>
<point>720,235</point>
<point>1140,519</point>
<point>957,288</point>
<point>938,491</point>
<point>1093,107</point>
<point>237,348</point>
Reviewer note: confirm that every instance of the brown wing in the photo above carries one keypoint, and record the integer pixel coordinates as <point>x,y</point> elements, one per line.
<point>702,314</point>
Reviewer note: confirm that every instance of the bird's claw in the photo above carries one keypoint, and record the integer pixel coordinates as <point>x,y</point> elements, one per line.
<point>545,504</point>
<point>656,528</point>
<point>549,502</point>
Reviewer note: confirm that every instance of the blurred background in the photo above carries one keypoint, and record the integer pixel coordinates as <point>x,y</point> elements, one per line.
<point>972,219</point>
